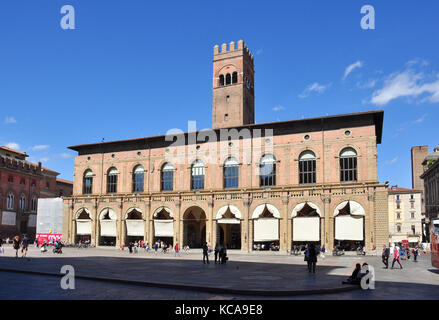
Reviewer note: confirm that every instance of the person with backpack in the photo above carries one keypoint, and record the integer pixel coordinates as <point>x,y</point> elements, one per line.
<point>385,256</point>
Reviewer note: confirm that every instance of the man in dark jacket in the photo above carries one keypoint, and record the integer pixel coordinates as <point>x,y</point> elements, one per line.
<point>312,258</point>
<point>217,249</point>
<point>205,253</point>
<point>385,256</point>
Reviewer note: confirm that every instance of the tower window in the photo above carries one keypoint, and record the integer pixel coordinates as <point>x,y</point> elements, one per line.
<point>228,79</point>
<point>307,168</point>
<point>235,77</point>
<point>221,80</point>
<point>348,165</point>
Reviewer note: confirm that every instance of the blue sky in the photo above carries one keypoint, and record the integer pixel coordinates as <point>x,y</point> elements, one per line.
<point>139,68</point>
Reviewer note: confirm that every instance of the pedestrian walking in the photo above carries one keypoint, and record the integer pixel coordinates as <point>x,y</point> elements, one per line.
<point>24,245</point>
<point>205,253</point>
<point>2,250</point>
<point>415,254</point>
<point>136,244</point>
<point>322,252</point>
<point>396,257</point>
<point>216,251</point>
<point>312,258</point>
<point>385,256</point>
<point>16,245</point>
<point>130,247</point>
<point>176,250</point>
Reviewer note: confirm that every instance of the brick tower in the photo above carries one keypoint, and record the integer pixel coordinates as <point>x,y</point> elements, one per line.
<point>233,86</point>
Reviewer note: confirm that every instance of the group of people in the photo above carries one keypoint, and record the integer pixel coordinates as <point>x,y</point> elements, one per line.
<point>220,253</point>
<point>262,246</point>
<point>18,243</point>
<point>398,254</point>
<point>159,245</point>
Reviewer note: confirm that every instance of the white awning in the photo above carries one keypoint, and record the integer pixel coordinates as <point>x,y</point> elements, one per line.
<point>108,228</point>
<point>349,227</point>
<point>135,227</point>
<point>260,209</point>
<point>300,206</point>
<point>111,212</point>
<point>306,229</point>
<point>83,226</point>
<point>158,210</point>
<point>233,210</point>
<point>355,207</point>
<point>132,209</point>
<point>266,229</point>
<point>164,228</point>
<point>8,218</point>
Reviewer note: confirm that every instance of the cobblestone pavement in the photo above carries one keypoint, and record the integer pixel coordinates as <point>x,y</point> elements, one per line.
<point>250,271</point>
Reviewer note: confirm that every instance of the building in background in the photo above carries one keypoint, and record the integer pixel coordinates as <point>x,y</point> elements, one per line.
<point>430,177</point>
<point>22,183</point>
<point>418,154</point>
<point>405,216</point>
<point>240,184</point>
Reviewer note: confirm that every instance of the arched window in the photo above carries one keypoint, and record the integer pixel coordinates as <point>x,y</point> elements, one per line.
<point>138,176</point>
<point>34,203</point>
<point>307,167</point>
<point>228,79</point>
<point>10,201</point>
<point>221,80</point>
<point>22,203</point>
<point>348,165</point>
<point>267,172</point>
<point>231,173</point>
<point>87,184</point>
<point>112,180</point>
<point>167,177</point>
<point>235,77</point>
<point>197,175</point>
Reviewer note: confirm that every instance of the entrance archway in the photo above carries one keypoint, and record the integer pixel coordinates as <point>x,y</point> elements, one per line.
<point>194,227</point>
<point>305,224</point>
<point>266,227</point>
<point>108,231</point>
<point>83,226</point>
<point>163,226</point>
<point>134,225</point>
<point>349,226</point>
<point>228,220</point>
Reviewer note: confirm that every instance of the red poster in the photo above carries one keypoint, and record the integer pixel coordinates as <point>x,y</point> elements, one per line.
<point>49,237</point>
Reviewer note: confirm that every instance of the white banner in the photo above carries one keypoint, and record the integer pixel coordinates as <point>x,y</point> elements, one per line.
<point>108,228</point>
<point>306,229</point>
<point>266,229</point>
<point>32,220</point>
<point>163,228</point>
<point>83,227</point>
<point>135,227</point>
<point>349,228</point>
<point>8,218</point>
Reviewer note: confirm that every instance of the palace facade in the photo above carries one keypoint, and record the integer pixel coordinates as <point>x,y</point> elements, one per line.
<point>241,184</point>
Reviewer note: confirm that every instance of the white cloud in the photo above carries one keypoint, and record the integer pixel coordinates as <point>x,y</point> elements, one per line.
<point>315,87</point>
<point>13,145</point>
<point>391,161</point>
<point>9,120</point>
<point>65,155</point>
<point>406,84</point>
<point>259,51</point>
<point>351,68</point>
<point>278,108</point>
<point>40,147</point>
<point>45,159</point>
<point>420,120</point>
<point>367,85</point>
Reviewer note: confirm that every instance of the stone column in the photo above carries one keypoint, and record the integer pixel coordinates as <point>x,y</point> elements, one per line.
<point>177,230</point>
<point>284,245</point>
<point>119,225</point>
<point>150,221</point>
<point>209,223</point>
<point>370,236</point>
<point>328,234</point>
<point>95,227</point>
<point>246,227</point>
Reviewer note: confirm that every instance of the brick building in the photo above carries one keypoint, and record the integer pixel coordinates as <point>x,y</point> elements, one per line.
<point>22,183</point>
<point>405,216</point>
<point>430,177</point>
<point>241,183</point>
